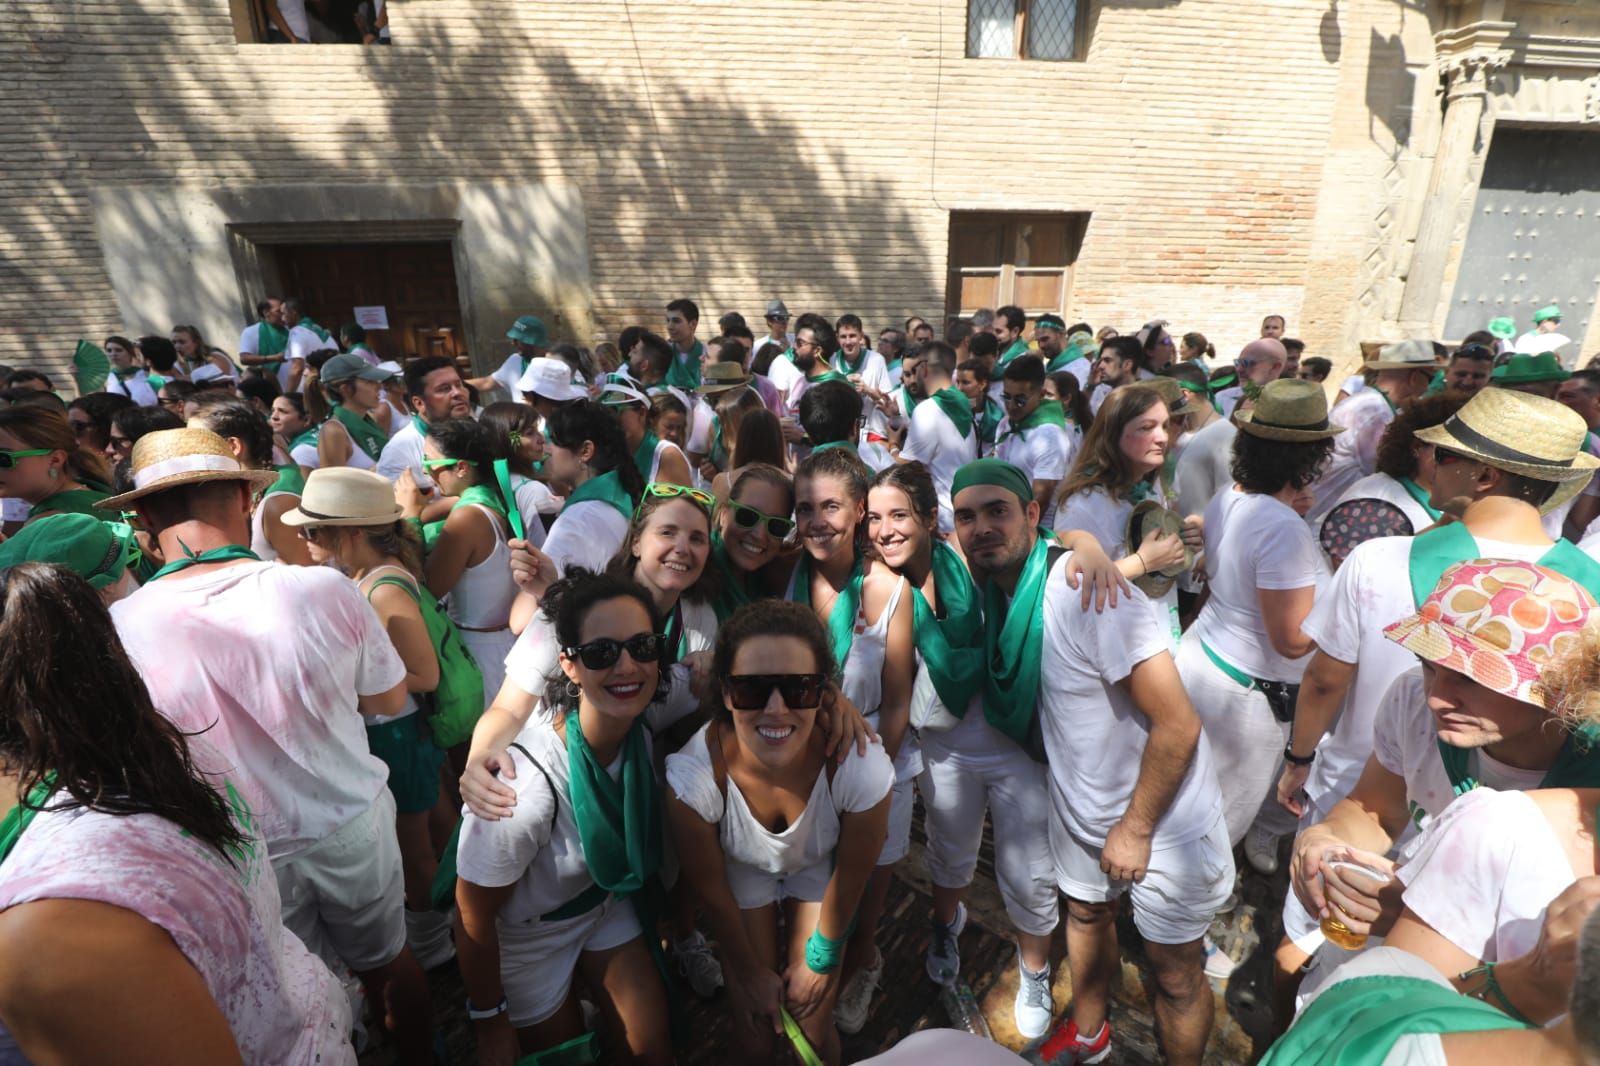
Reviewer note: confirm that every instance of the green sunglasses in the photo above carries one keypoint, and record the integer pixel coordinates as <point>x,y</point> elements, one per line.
<point>439,464</point>
<point>665,490</point>
<point>747,517</point>
<point>9,459</point>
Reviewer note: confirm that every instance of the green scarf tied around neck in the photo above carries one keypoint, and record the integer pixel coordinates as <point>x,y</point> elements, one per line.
<point>1013,643</point>
<point>952,646</point>
<point>989,420</point>
<point>842,616</point>
<point>619,821</point>
<point>1048,413</point>
<point>367,434</point>
<point>685,369</point>
<point>842,364</point>
<point>731,593</point>
<point>644,456</point>
<point>606,488</point>
<point>956,407</point>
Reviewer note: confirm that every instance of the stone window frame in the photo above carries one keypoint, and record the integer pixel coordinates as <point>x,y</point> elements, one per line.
<point>1022,13</point>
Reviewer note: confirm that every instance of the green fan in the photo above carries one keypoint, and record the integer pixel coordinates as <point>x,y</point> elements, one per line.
<point>90,367</point>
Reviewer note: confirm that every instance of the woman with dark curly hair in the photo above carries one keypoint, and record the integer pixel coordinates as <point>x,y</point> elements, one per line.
<point>1405,464</point>
<point>1242,659</point>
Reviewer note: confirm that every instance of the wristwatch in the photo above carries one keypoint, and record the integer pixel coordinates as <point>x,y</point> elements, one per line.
<point>1297,760</point>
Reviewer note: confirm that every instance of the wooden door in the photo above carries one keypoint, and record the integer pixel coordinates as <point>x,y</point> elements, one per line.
<point>999,258</point>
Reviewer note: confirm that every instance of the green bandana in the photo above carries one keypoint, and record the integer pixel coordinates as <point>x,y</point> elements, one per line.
<point>20,816</point>
<point>1576,766</point>
<point>308,437</point>
<point>226,553</point>
<point>685,369</point>
<point>76,501</point>
<point>1048,413</point>
<point>502,478</point>
<point>644,456</point>
<point>1357,1022</point>
<point>483,496</point>
<point>367,434</point>
<point>989,421</point>
<point>420,426</point>
<point>1016,348</point>
<point>842,363</point>
<point>1013,644</point>
<point>290,480</point>
<point>842,616</point>
<point>907,402</point>
<point>606,488</point>
<point>619,821</point>
<point>951,646</point>
<point>1434,552</point>
<point>1069,355</point>
<point>953,402</point>
<point>848,445</point>
<point>995,472</point>
<point>827,375</point>
<point>1422,497</point>
<point>731,594</point>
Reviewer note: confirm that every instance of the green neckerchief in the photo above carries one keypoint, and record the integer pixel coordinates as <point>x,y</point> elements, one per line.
<point>1013,638</point>
<point>19,817</point>
<point>306,323</point>
<point>907,402</point>
<point>419,425</point>
<point>619,821</point>
<point>1357,1022</point>
<point>1392,408</point>
<point>827,375</point>
<point>849,445</point>
<point>952,644</point>
<point>271,340</point>
<point>956,407</point>
<point>676,633</point>
<point>1016,348</point>
<point>842,364</point>
<point>644,456</point>
<point>719,451</point>
<point>484,496</point>
<point>842,615</point>
<point>891,365</point>
<point>155,381</point>
<point>367,434</point>
<point>1434,552</point>
<point>731,593</point>
<point>1421,495</point>
<point>290,480</point>
<point>1435,386</point>
<point>607,488</point>
<point>502,478</point>
<point>685,369</point>
<point>1069,355</point>
<point>989,420</point>
<point>226,553</point>
<point>1048,413</point>
<point>308,437</point>
<point>1576,765</point>
<point>76,501</point>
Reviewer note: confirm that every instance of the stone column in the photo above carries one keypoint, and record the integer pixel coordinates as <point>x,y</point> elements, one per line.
<point>1466,89</point>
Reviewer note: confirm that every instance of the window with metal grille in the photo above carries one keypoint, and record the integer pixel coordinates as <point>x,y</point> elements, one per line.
<point>1025,29</point>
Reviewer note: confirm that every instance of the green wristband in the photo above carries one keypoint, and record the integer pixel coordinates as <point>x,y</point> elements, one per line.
<point>822,954</point>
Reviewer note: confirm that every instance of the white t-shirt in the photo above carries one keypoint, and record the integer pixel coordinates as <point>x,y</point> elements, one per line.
<point>874,374</point>
<point>587,534</point>
<point>1205,467</point>
<point>1093,733</point>
<point>1370,591</point>
<point>509,374</point>
<point>533,499</point>
<point>135,387</point>
<point>1380,486</point>
<point>1484,873</point>
<point>294,13</point>
<point>1355,451</point>
<point>1229,399</point>
<point>302,342</point>
<point>1413,1049</point>
<point>1105,518</point>
<point>1535,343</point>
<point>403,451</point>
<point>1254,541</point>
<point>936,442</point>
<point>277,697</point>
<point>1044,453</point>
<point>249,339</point>
<point>785,375</point>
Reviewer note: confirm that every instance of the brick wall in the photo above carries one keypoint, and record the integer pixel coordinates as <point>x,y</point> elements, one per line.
<point>732,151</point>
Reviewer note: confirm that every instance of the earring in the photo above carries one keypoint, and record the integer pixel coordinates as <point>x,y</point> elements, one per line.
<point>54,473</point>
<point>573,691</point>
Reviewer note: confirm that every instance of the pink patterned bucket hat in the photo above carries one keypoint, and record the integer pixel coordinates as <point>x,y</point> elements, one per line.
<point>1500,623</point>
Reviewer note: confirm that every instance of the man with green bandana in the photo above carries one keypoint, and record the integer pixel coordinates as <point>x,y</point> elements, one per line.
<point>683,319</point>
<point>866,370</point>
<point>262,343</point>
<point>532,341</point>
<point>1010,323</point>
<point>1034,435</point>
<point>1134,797</point>
<point>940,435</point>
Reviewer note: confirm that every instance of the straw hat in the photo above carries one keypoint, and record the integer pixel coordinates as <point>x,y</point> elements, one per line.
<point>1500,623</point>
<point>171,458</point>
<point>344,496</point>
<point>1290,409</point>
<point>1521,434</point>
<point>1407,355</point>
<point>720,377</point>
<point>1149,516</point>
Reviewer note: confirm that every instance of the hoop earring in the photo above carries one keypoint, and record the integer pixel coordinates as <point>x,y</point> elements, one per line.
<point>573,691</point>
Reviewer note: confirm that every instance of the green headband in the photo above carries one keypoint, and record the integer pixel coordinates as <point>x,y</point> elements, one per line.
<point>1189,386</point>
<point>993,472</point>
<point>1047,322</point>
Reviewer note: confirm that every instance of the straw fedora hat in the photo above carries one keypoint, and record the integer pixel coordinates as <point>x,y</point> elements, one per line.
<point>172,458</point>
<point>1521,434</point>
<point>1147,516</point>
<point>1406,355</point>
<point>720,377</point>
<point>344,496</point>
<point>1289,409</point>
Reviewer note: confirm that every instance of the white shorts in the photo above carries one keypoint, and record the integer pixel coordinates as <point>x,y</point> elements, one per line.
<point>898,840</point>
<point>537,960</point>
<point>344,896</point>
<point>1182,891</point>
<point>753,889</point>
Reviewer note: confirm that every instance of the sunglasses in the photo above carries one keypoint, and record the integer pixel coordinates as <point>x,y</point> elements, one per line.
<point>1444,457</point>
<point>750,692</point>
<point>439,464</point>
<point>666,490</point>
<point>747,517</point>
<point>9,459</point>
<point>603,653</point>
<point>308,534</point>
<point>1013,401</point>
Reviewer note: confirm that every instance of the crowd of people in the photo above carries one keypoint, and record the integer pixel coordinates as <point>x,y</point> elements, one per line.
<point>617,674</point>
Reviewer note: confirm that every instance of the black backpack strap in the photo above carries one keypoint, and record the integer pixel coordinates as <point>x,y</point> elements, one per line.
<point>555,793</point>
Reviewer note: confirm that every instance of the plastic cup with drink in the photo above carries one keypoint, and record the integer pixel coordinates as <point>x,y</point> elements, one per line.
<point>1339,859</point>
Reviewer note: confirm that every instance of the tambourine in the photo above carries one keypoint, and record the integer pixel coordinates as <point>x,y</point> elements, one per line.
<point>1151,516</point>
<point>1354,522</point>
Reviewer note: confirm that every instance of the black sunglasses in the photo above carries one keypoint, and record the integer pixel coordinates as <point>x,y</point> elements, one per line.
<point>1014,401</point>
<point>750,692</point>
<point>747,517</point>
<point>603,653</point>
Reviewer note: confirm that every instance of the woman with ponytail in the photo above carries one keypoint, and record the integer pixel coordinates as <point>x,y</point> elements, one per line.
<point>42,462</point>
<point>518,425</point>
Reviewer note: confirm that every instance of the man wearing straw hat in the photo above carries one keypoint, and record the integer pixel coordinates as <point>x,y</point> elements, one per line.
<point>1403,371</point>
<point>1501,460</point>
<point>281,695</point>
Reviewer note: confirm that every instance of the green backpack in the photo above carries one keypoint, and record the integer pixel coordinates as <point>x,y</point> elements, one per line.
<point>454,707</point>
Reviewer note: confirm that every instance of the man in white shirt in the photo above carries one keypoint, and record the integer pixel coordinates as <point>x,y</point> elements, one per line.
<point>1033,436</point>
<point>940,435</point>
<point>261,344</point>
<point>867,371</point>
<point>302,341</point>
<point>532,340</point>
<point>1118,363</point>
<point>435,392</point>
<point>1258,362</point>
<point>1273,327</point>
<point>1134,798</point>
<point>282,698</point>
<point>1546,335</point>
<point>777,319</point>
<point>1404,372</point>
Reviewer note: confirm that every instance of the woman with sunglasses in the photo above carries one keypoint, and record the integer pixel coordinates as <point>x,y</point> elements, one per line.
<point>43,462</point>
<point>469,560</point>
<point>769,829</point>
<point>90,416</point>
<point>127,426</point>
<point>753,523</point>
<point>564,885</point>
<point>868,616</point>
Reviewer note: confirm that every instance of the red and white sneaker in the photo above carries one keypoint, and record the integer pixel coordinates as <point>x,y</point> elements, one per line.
<point>1067,1047</point>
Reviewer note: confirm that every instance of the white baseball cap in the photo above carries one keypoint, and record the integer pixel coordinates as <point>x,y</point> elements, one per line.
<point>552,379</point>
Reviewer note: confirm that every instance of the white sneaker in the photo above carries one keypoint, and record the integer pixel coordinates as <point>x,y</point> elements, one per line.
<point>1033,1008</point>
<point>944,954</point>
<point>1261,848</point>
<point>855,1002</point>
<point>698,965</point>
<point>1217,963</point>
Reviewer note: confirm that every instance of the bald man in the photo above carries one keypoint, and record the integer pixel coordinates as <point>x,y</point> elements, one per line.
<point>1259,362</point>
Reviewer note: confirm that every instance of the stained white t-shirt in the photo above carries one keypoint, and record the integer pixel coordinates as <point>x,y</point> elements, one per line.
<point>1484,873</point>
<point>1044,453</point>
<point>1205,467</point>
<point>1254,541</point>
<point>1094,735</point>
<point>1355,451</point>
<point>587,534</point>
<point>936,442</point>
<point>277,698</point>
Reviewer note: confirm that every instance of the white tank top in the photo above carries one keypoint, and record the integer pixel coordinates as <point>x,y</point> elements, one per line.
<point>359,460</point>
<point>483,594</point>
<point>662,447</point>
<point>258,534</point>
